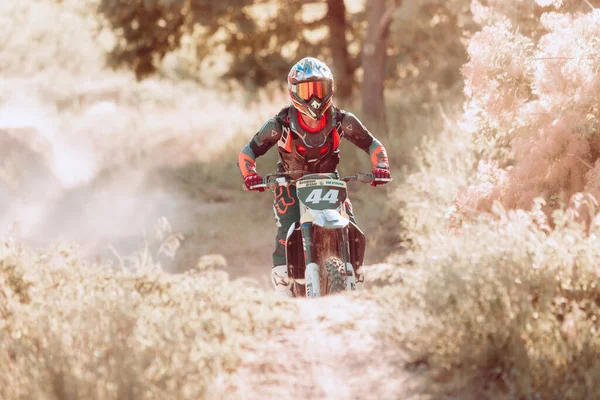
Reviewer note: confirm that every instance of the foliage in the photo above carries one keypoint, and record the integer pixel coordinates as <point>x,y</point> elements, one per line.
<point>533,108</point>
<point>37,34</point>
<point>501,297</point>
<point>261,39</point>
<point>509,307</point>
<point>255,39</point>
<point>58,99</point>
<point>524,14</point>
<point>70,330</point>
<point>427,46</point>
<point>503,305</point>
<point>443,165</point>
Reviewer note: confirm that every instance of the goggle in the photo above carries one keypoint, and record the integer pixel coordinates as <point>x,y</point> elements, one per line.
<point>305,90</point>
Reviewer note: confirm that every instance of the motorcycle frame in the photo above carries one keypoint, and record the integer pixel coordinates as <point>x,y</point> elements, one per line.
<point>302,236</point>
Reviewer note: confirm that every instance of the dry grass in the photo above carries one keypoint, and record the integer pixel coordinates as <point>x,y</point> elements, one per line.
<point>500,305</point>
<point>502,302</point>
<point>509,297</point>
<point>497,305</point>
<point>508,309</point>
<point>71,330</point>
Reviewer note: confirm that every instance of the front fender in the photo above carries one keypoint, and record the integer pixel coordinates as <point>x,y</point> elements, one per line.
<point>330,219</point>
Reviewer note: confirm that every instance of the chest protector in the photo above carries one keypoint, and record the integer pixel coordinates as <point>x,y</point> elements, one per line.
<point>313,152</point>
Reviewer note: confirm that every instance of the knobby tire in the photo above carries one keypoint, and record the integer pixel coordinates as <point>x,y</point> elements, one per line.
<point>333,276</point>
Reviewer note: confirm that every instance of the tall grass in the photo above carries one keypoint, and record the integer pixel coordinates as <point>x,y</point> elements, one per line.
<point>71,330</point>
<point>500,305</point>
<point>501,298</point>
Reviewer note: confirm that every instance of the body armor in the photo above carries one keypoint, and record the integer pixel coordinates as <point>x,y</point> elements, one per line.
<point>314,152</point>
<point>302,150</point>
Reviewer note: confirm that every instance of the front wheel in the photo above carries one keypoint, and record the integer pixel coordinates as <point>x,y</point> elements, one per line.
<point>333,276</point>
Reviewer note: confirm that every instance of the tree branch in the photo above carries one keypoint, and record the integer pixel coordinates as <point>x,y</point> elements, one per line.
<point>387,19</point>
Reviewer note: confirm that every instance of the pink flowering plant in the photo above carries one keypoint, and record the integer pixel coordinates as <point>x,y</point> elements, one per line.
<point>533,106</point>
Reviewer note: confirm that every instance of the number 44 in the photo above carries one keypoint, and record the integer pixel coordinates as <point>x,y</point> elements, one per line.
<point>315,196</point>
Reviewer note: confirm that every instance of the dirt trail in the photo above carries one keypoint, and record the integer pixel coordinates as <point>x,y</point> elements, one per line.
<point>337,350</point>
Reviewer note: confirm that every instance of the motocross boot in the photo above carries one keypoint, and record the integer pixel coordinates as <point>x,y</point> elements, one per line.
<point>279,277</point>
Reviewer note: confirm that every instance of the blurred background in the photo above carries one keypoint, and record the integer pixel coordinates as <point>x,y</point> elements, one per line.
<point>120,126</point>
<point>116,113</point>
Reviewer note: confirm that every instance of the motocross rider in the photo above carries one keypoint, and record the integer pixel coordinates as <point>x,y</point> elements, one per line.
<point>307,133</point>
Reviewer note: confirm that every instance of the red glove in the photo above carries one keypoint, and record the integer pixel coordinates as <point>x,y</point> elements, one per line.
<point>252,180</point>
<point>380,173</point>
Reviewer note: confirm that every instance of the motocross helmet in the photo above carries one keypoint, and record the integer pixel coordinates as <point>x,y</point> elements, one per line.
<point>310,83</point>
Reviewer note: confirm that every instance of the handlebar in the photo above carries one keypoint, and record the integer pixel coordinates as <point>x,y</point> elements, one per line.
<point>283,179</point>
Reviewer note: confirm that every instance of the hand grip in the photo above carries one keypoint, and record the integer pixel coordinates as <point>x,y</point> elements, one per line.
<point>260,185</point>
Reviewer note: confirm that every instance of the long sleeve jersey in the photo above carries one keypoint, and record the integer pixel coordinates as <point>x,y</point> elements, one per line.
<point>312,150</point>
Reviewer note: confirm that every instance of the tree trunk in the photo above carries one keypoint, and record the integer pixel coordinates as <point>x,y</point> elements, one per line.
<point>374,56</point>
<point>343,70</point>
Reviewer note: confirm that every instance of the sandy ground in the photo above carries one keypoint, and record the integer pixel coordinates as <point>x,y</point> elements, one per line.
<point>322,359</point>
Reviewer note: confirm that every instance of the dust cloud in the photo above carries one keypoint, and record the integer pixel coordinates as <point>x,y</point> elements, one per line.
<point>59,185</point>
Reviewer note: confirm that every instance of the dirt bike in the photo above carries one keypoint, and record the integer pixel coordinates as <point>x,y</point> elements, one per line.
<point>325,249</point>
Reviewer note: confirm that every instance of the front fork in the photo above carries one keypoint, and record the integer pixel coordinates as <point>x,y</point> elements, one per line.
<point>311,273</point>
<point>313,283</point>
<point>345,246</point>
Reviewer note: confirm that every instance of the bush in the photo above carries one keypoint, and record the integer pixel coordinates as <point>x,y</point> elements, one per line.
<point>510,308</point>
<point>500,299</point>
<point>70,330</point>
<point>533,108</point>
<point>502,305</point>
